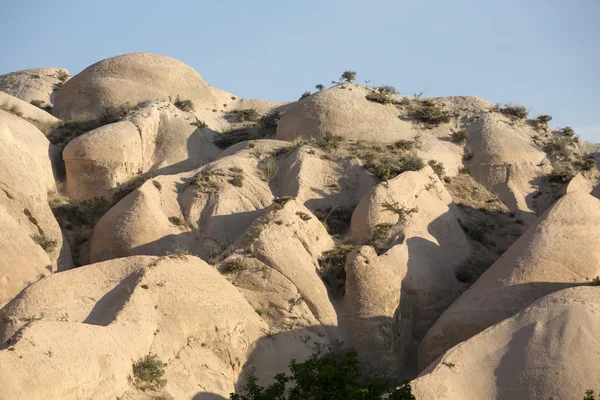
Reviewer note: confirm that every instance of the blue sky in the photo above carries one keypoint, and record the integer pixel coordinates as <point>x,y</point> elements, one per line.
<point>544,54</point>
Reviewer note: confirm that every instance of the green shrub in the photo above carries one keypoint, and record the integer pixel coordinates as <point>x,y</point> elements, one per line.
<point>430,114</point>
<point>397,208</point>
<point>199,124</point>
<point>438,168</point>
<point>180,223</point>
<point>41,104</point>
<point>247,114</point>
<point>335,219</point>
<point>45,242</point>
<point>184,104</point>
<point>329,376</point>
<point>332,264</point>
<point>280,202</point>
<point>348,76</point>
<point>238,180</point>
<point>268,169</point>
<point>379,237</point>
<point>157,185</point>
<point>379,97</point>
<point>304,95</point>
<point>329,142</point>
<point>558,146</point>
<point>513,111</point>
<point>235,265</point>
<point>568,131</point>
<point>562,173</point>
<point>148,372</point>
<point>204,182</point>
<point>319,87</point>
<point>405,145</point>
<point>543,119</point>
<point>460,136</point>
<point>267,124</point>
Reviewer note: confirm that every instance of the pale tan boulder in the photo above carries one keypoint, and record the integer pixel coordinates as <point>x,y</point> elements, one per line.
<point>215,209</point>
<point>130,78</point>
<point>148,221</point>
<point>546,351</point>
<point>558,251</point>
<point>378,318</point>
<point>103,317</point>
<point>505,160</point>
<point>22,261</point>
<point>36,84</point>
<point>289,239</point>
<point>27,177</point>
<point>322,183</point>
<point>343,110</point>
<point>579,182</point>
<point>27,111</point>
<point>157,138</point>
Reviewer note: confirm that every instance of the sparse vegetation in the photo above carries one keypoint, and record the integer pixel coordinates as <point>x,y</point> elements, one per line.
<point>428,113</point>
<point>348,76</point>
<point>335,219</point>
<point>235,265</point>
<point>42,105</point>
<point>198,123</point>
<point>46,243</point>
<point>596,281</point>
<point>319,87</point>
<point>332,264</point>
<point>304,95</point>
<point>205,183</point>
<point>460,137</point>
<point>303,216</point>
<point>568,131</point>
<point>379,237</point>
<point>185,105</point>
<point>438,168</point>
<point>558,146</point>
<point>148,373</point>
<point>542,120</point>
<point>247,114</point>
<point>14,109</point>
<point>268,169</point>
<point>388,166</point>
<point>400,209</point>
<point>157,185</point>
<point>180,223</point>
<point>513,111</point>
<point>562,173</point>
<point>383,94</point>
<point>330,376</point>
<point>405,145</point>
<point>280,202</point>
<point>237,180</point>
<point>329,141</point>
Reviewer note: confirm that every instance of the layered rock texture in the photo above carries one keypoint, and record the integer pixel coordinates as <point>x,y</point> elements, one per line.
<point>147,218</point>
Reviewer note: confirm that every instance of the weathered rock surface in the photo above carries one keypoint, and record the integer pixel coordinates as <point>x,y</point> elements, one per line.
<point>558,251</point>
<point>36,84</point>
<point>546,351</point>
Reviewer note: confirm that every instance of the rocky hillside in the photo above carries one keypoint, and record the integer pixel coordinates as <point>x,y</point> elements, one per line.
<point>164,239</point>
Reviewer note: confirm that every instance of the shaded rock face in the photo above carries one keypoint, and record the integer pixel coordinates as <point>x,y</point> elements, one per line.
<point>524,356</point>
<point>228,262</point>
<point>556,252</point>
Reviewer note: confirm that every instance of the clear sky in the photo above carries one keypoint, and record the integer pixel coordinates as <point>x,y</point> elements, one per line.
<point>544,54</point>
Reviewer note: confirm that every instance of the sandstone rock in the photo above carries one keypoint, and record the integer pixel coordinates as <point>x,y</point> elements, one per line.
<point>26,178</point>
<point>23,109</point>
<point>426,244</point>
<point>36,84</point>
<point>560,250</point>
<point>103,317</point>
<point>130,78</point>
<point>379,318</point>
<point>546,351</point>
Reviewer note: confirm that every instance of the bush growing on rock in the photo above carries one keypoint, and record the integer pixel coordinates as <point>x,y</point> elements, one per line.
<point>429,113</point>
<point>332,376</point>
<point>148,372</point>
<point>184,104</point>
<point>348,76</point>
<point>543,120</point>
<point>329,141</point>
<point>332,264</point>
<point>304,95</point>
<point>247,114</point>
<point>568,131</point>
<point>268,169</point>
<point>45,242</point>
<point>513,111</point>
<point>562,173</point>
<point>460,136</point>
<point>319,87</point>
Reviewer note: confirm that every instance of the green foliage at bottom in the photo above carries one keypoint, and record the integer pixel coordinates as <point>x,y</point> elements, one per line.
<point>331,376</point>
